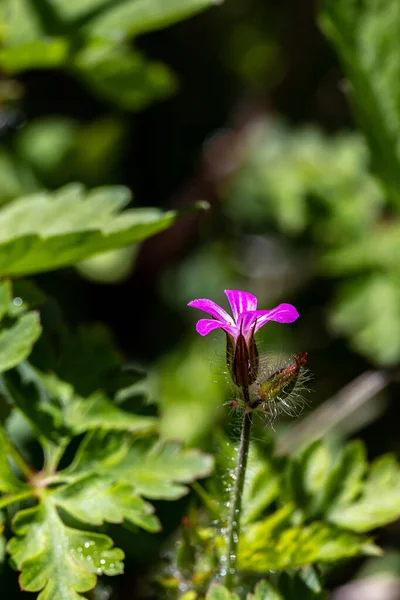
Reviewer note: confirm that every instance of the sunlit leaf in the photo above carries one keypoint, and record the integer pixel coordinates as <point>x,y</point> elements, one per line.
<point>134,17</point>
<point>34,54</point>
<point>51,230</point>
<point>275,544</point>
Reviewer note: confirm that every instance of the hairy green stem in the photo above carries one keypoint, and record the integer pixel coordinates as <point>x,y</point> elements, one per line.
<point>236,499</point>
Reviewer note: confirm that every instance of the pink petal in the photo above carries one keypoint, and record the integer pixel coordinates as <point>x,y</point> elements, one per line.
<point>204,326</point>
<point>284,313</point>
<point>241,302</point>
<point>212,309</point>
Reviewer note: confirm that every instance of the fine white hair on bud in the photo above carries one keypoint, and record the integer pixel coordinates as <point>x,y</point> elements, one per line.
<point>279,388</point>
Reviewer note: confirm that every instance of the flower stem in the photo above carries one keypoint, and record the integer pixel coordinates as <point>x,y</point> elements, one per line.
<point>236,499</point>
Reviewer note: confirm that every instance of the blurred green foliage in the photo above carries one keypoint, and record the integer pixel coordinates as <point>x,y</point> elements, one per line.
<point>89,39</point>
<point>365,36</point>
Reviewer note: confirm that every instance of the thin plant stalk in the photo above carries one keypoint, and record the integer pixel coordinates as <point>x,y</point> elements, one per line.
<point>236,500</point>
<point>17,457</point>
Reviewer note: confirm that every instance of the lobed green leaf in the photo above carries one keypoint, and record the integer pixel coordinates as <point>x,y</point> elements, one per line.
<point>51,230</point>
<point>351,494</point>
<point>17,338</point>
<point>135,17</point>
<point>59,562</point>
<point>358,313</point>
<point>97,411</point>
<point>365,35</point>
<point>219,592</point>
<point>158,470</point>
<point>274,544</point>
<point>96,499</point>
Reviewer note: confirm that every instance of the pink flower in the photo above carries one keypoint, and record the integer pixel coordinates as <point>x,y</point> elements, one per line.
<point>246,318</point>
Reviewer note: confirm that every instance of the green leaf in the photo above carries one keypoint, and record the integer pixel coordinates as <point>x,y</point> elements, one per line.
<point>322,478</point>
<point>123,76</point>
<point>45,415</point>
<point>358,313</point>
<point>345,478</point>
<point>20,21</point>
<point>16,340</point>
<point>51,230</point>
<point>134,17</point>
<point>35,54</point>
<point>99,412</point>
<point>290,588</point>
<point>306,476</point>
<point>379,502</point>
<point>99,450</point>
<point>265,591</point>
<point>110,471</point>
<point>219,592</point>
<point>8,481</point>
<point>351,494</point>
<point>5,297</point>
<point>56,412</point>
<point>365,34</point>
<point>56,560</point>
<point>158,470</point>
<point>274,544</point>
<point>95,499</point>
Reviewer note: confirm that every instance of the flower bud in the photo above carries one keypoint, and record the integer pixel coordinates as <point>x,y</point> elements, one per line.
<point>242,360</point>
<point>274,392</point>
